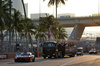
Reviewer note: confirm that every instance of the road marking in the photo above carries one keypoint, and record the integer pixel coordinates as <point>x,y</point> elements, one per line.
<point>71,61</point>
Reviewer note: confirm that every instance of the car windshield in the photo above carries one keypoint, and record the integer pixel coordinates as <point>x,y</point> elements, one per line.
<point>48,45</point>
<point>24,54</point>
<point>92,50</point>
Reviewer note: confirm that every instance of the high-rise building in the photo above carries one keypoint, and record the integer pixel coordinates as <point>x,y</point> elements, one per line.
<point>17,4</point>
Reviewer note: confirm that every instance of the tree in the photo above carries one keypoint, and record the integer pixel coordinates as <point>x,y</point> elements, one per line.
<point>24,8</point>
<point>40,32</point>
<point>61,33</point>
<point>46,22</point>
<point>56,2</point>
<point>28,29</point>
<point>16,23</point>
<point>4,18</point>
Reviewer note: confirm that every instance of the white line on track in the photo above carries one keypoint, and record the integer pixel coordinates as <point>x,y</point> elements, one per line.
<point>71,61</point>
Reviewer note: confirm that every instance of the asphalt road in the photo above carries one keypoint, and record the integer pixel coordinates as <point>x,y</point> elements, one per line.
<point>85,60</point>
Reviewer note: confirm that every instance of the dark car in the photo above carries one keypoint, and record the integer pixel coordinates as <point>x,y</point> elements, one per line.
<point>26,57</point>
<point>93,51</point>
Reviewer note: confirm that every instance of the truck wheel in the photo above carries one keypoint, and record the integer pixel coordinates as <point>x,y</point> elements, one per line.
<point>61,55</point>
<point>56,55</point>
<point>73,55</point>
<point>70,55</point>
<point>44,57</point>
<point>50,57</point>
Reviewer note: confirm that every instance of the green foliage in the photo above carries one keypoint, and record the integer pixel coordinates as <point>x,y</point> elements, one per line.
<point>15,21</point>
<point>57,31</point>
<point>51,2</point>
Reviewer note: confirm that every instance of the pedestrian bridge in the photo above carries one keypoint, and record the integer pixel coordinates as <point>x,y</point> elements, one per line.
<point>79,24</point>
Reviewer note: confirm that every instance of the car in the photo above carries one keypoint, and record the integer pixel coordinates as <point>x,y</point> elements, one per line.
<point>79,51</point>
<point>93,51</point>
<point>24,56</point>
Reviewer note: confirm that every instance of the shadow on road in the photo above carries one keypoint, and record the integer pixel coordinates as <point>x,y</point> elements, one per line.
<point>92,54</point>
<point>53,59</point>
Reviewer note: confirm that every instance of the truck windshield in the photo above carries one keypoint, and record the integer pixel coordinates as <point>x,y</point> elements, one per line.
<point>48,45</point>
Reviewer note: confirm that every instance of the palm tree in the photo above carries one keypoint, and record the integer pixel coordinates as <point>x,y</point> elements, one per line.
<point>56,2</point>
<point>40,32</point>
<point>24,8</point>
<point>28,27</point>
<point>61,33</point>
<point>46,22</point>
<point>16,25</point>
<point>17,22</point>
<point>4,17</point>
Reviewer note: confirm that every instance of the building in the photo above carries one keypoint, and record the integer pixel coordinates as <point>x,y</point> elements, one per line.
<point>99,6</point>
<point>37,15</point>
<point>66,15</point>
<point>17,4</point>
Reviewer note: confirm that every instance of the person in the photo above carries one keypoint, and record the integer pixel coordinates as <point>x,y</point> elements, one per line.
<point>59,46</point>
<point>63,47</point>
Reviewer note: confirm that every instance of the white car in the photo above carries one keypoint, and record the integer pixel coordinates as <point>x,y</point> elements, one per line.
<point>79,51</point>
<point>25,57</point>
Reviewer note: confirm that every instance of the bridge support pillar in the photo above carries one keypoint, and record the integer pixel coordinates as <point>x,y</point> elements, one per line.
<point>76,33</point>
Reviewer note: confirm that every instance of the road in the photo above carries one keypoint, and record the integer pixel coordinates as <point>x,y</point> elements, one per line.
<point>86,60</point>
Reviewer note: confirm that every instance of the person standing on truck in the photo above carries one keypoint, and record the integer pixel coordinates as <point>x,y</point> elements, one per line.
<point>63,48</point>
<point>59,47</point>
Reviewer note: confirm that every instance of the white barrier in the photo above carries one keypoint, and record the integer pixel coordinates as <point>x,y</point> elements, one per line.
<point>3,56</point>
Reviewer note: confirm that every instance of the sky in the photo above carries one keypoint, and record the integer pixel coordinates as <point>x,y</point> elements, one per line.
<point>78,7</point>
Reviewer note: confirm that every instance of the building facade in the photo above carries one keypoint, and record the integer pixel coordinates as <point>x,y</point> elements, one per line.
<point>17,4</point>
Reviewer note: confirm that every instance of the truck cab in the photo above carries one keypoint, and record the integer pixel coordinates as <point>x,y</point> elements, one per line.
<point>49,49</point>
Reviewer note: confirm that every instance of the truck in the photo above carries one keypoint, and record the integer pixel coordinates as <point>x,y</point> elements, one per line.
<point>53,49</point>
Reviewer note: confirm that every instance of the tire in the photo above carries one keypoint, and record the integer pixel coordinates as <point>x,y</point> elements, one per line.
<point>50,57</point>
<point>33,60</point>
<point>15,61</point>
<point>73,55</point>
<point>61,55</point>
<point>30,60</point>
<point>44,57</point>
<point>56,55</point>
